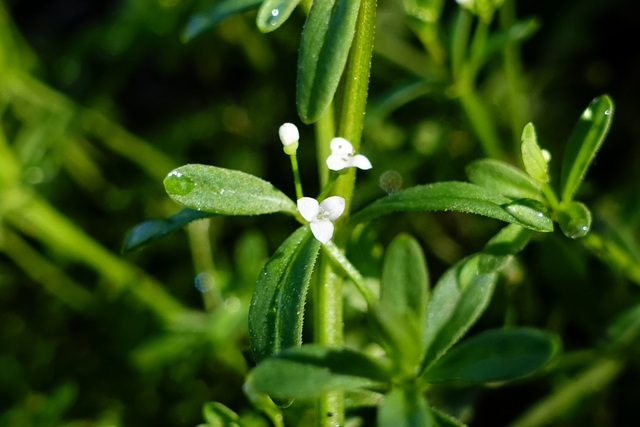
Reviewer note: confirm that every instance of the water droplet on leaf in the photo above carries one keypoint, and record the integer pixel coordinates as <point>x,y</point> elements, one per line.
<point>178,184</point>
<point>574,220</point>
<point>532,213</point>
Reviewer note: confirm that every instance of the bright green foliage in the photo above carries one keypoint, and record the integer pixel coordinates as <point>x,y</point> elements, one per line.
<point>534,162</point>
<point>458,299</point>
<point>584,143</point>
<point>502,247</point>
<point>226,192</point>
<point>273,13</point>
<point>445,196</point>
<point>277,307</point>
<point>496,355</point>
<point>310,371</point>
<point>324,48</point>
<point>531,213</point>
<point>504,179</point>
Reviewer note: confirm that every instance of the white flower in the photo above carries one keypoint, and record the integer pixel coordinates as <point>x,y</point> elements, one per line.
<point>320,215</point>
<point>342,156</point>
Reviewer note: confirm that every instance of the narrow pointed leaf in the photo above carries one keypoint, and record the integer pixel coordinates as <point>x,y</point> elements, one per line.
<point>201,22</point>
<point>504,179</point>
<point>403,299</point>
<point>311,371</point>
<point>277,307</point>
<point>404,408</point>
<point>225,191</point>
<point>458,299</point>
<point>154,229</point>
<point>324,48</point>
<point>584,143</point>
<point>497,355</point>
<point>444,196</point>
<point>273,13</point>
<point>404,285</point>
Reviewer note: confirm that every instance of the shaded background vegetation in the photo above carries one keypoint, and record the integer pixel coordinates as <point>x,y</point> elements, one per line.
<point>99,100</point>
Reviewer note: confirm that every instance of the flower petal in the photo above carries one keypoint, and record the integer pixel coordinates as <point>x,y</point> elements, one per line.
<point>336,162</point>
<point>333,207</point>
<point>340,145</point>
<point>308,208</point>
<point>360,162</point>
<point>322,230</point>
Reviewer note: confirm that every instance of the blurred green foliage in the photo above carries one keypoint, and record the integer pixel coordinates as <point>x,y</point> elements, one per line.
<point>100,100</point>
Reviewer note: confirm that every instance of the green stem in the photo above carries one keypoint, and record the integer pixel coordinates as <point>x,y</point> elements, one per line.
<point>325,131</point>
<point>338,257</point>
<point>296,175</point>
<point>330,408</point>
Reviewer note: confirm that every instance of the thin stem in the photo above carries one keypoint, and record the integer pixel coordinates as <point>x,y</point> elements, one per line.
<point>338,257</point>
<point>325,131</point>
<point>330,408</point>
<point>296,175</point>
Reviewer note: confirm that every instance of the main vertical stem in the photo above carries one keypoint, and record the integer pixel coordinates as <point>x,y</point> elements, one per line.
<point>328,292</point>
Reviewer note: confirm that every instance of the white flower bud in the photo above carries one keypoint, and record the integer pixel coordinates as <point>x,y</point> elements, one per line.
<point>288,134</point>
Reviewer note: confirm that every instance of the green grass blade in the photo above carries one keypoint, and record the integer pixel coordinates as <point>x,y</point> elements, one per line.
<point>204,21</point>
<point>273,13</point>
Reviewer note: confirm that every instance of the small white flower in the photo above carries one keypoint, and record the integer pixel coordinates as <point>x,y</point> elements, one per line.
<point>320,215</point>
<point>342,156</point>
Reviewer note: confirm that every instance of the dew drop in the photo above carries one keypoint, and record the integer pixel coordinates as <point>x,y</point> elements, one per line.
<point>574,220</point>
<point>178,184</point>
<point>390,181</point>
<point>531,213</point>
<point>607,112</point>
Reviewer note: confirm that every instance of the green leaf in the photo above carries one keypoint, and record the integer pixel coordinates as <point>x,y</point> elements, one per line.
<point>404,285</point>
<point>501,248</point>
<point>496,355</point>
<point>458,299</point>
<point>574,219</point>
<point>324,49</point>
<point>225,192</point>
<point>444,196</point>
<point>201,22</point>
<point>273,13</point>
<point>277,307</point>
<point>151,230</point>
<point>584,142</point>
<point>311,371</point>
<point>504,179</point>
<point>404,290</point>
<point>217,414</point>
<point>404,408</point>
<point>534,162</point>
